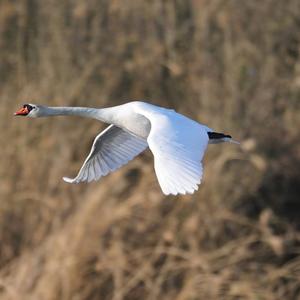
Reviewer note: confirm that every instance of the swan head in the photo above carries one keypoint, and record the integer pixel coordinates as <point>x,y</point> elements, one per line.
<point>29,110</point>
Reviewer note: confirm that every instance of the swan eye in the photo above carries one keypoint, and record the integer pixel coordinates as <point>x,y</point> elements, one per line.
<point>29,107</point>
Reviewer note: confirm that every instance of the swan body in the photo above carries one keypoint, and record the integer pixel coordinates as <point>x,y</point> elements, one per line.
<point>178,143</point>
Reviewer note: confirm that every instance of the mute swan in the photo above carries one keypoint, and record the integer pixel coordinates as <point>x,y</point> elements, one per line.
<point>177,142</point>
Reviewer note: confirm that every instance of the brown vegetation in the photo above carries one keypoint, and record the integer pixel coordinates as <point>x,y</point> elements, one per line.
<point>233,65</point>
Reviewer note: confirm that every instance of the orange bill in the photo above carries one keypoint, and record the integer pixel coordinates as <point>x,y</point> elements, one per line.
<point>22,111</point>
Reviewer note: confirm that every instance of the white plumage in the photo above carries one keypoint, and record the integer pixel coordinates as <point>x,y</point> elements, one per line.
<point>178,145</point>
<point>112,148</point>
<point>177,142</point>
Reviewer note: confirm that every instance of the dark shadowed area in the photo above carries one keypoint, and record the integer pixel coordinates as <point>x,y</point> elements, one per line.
<point>233,65</point>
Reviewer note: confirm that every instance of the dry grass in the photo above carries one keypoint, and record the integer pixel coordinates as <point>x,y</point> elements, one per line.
<point>233,65</point>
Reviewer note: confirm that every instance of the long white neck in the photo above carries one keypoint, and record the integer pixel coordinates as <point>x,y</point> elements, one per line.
<point>105,114</point>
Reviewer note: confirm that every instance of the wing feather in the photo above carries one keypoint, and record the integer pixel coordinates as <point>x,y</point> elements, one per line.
<point>111,149</point>
<point>178,145</point>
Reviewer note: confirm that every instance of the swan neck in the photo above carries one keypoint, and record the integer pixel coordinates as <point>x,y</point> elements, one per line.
<point>103,114</point>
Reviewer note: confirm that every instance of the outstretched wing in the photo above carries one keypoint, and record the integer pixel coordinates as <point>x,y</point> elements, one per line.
<point>112,148</point>
<point>178,145</point>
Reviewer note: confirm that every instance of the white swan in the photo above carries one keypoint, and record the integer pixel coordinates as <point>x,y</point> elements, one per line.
<point>177,142</point>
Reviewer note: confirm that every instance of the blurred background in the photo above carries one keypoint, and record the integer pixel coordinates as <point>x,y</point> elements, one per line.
<point>231,64</point>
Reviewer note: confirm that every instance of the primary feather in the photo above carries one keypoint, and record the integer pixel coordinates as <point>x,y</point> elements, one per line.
<point>178,145</point>
<point>112,148</point>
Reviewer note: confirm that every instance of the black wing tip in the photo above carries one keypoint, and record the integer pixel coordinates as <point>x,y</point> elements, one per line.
<point>218,135</point>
